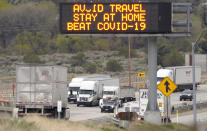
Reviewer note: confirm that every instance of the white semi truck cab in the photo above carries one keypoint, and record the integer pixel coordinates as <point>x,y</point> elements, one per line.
<point>110,98</point>
<point>74,85</point>
<point>90,93</point>
<point>162,73</point>
<point>110,91</point>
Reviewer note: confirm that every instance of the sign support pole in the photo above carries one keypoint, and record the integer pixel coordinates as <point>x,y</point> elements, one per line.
<point>167,110</point>
<point>152,113</point>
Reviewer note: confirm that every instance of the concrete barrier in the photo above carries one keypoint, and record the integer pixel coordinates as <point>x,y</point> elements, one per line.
<point>188,106</point>
<point>7,109</point>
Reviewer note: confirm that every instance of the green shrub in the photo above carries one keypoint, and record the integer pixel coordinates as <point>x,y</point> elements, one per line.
<point>78,60</point>
<point>90,67</point>
<point>114,66</point>
<point>174,58</point>
<point>32,59</point>
<point>124,51</point>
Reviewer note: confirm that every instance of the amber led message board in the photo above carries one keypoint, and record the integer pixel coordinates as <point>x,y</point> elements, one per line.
<point>115,18</point>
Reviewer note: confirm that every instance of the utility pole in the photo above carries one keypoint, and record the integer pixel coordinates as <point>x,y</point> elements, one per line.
<point>129,60</point>
<point>193,79</point>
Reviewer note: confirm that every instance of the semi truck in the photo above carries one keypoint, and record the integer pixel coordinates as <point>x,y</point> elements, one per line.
<point>180,75</point>
<point>75,84</point>
<point>161,101</point>
<point>39,88</point>
<point>111,95</point>
<point>91,91</point>
<point>127,93</point>
<point>114,96</point>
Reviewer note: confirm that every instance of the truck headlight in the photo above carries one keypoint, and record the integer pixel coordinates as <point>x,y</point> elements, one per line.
<point>90,98</point>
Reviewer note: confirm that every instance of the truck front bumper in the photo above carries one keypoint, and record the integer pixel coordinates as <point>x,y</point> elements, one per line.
<point>84,103</point>
<point>72,99</point>
<point>107,108</point>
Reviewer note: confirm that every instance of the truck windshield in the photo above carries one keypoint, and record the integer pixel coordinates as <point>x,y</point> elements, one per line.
<point>159,79</point>
<point>108,92</point>
<point>90,92</point>
<point>111,102</point>
<point>74,88</point>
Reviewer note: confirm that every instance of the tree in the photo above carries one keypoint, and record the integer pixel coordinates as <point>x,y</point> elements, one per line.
<point>114,66</point>
<point>78,60</point>
<point>164,47</point>
<point>124,51</point>
<point>203,46</point>
<point>174,58</point>
<point>37,43</point>
<point>62,44</point>
<point>29,17</point>
<point>32,59</point>
<point>90,67</point>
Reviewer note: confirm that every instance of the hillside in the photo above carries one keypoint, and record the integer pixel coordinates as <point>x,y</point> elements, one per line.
<point>29,33</point>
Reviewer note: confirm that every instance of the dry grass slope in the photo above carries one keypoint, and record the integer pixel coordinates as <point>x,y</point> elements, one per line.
<point>37,123</point>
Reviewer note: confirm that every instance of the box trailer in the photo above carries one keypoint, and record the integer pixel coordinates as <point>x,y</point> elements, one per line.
<point>39,87</point>
<point>180,75</point>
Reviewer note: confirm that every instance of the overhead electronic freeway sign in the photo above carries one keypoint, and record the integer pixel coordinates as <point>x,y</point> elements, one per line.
<point>115,18</point>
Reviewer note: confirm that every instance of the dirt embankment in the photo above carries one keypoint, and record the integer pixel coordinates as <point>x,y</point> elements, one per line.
<point>37,123</point>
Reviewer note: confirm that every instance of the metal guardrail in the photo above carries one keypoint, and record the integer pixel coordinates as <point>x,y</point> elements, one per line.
<point>120,123</point>
<point>189,106</point>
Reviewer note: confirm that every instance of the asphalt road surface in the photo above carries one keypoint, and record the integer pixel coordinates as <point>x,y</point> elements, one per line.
<point>187,119</point>
<point>83,113</point>
<point>200,97</point>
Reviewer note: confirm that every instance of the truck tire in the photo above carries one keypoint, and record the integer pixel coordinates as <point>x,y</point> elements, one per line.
<point>77,104</point>
<point>190,99</point>
<point>67,114</point>
<point>101,110</point>
<point>90,104</point>
<point>112,110</point>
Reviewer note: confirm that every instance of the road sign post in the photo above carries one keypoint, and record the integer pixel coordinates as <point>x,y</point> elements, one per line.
<point>167,110</point>
<point>13,86</point>
<point>167,87</point>
<point>59,108</point>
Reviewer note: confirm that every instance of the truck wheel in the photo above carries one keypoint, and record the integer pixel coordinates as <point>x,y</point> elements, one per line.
<point>101,110</point>
<point>90,104</point>
<point>67,114</point>
<point>77,104</point>
<point>180,99</point>
<point>112,111</point>
<point>190,99</point>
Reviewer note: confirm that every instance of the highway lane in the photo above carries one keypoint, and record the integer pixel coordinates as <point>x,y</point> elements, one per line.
<point>201,96</point>
<point>187,119</point>
<point>85,113</point>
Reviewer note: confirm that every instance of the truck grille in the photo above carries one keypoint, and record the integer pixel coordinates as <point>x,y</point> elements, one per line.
<point>107,107</point>
<point>83,99</point>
